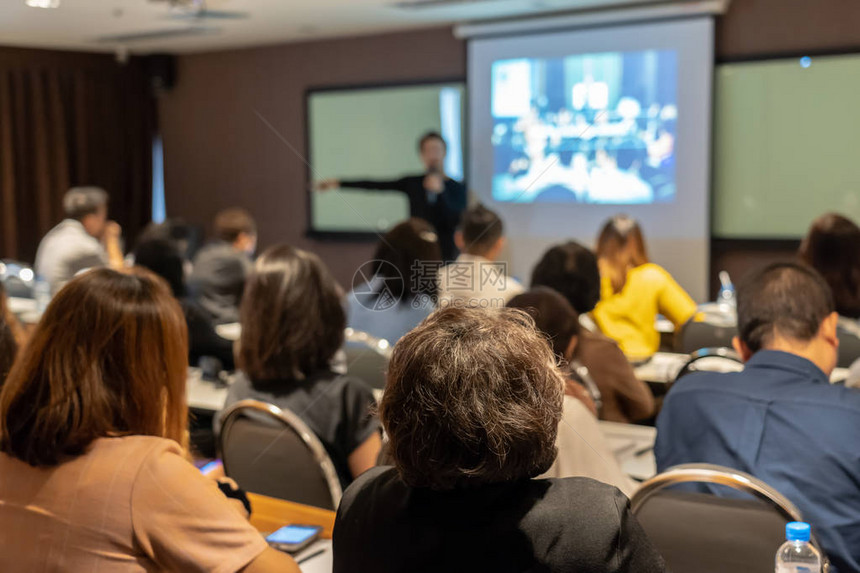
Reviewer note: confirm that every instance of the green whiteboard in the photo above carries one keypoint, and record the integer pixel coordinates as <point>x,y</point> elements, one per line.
<point>372,133</point>
<point>787,145</point>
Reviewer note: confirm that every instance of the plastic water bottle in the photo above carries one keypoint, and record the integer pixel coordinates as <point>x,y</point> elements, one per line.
<point>726,299</point>
<point>797,555</point>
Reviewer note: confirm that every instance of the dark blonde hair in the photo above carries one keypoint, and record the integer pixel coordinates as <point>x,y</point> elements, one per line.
<point>473,397</point>
<point>109,358</point>
<point>620,248</point>
<point>291,314</point>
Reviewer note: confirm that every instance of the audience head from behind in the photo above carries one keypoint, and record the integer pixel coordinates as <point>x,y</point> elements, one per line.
<point>292,317</point>
<point>95,409</point>
<point>162,256</point>
<point>787,307</point>
<point>571,270</point>
<point>473,398</point>
<point>554,317</point>
<point>108,358</point>
<point>832,247</point>
<point>433,150</point>
<point>472,409</point>
<point>89,206</point>
<point>401,258</point>
<point>293,324</point>
<point>236,227</point>
<point>177,231</point>
<point>481,233</point>
<point>620,248</point>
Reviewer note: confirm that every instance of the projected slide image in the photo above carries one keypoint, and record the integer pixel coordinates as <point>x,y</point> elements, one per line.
<point>588,128</point>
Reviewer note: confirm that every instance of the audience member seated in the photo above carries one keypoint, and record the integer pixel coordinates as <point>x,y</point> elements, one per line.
<point>162,256</point>
<point>83,240</point>
<point>571,269</point>
<point>220,268</point>
<point>624,398</point>
<point>292,326</point>
<point>472,409</point>
<point>582,450</point>
<point>92,443</point>
<point>780,419</point>
<point>634,291</point>
<point>832,247</point>
<point>399,288</point>
<point>9,336</point>
<point>476,278</point>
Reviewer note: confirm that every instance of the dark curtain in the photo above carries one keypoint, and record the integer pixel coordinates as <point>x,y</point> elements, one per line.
<point>67,120</point>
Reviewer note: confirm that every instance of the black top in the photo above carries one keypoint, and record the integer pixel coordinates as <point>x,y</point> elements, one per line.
<point>336,408</point>
<point>541,525</point>
<point>203,340</point>
<point>443,213</point>
<point>218,280</point>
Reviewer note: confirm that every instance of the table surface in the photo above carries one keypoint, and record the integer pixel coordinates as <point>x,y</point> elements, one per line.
<point>204,394</point>
<point>270,514</point>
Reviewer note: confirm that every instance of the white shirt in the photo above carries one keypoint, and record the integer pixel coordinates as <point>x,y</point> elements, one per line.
<point>473,281</point>
<point>65,251</point>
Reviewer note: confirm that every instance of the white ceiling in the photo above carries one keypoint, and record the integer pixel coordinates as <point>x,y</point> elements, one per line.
<point>78,24</point>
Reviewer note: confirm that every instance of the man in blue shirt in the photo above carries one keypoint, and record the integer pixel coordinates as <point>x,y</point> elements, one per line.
<point>780,419</point>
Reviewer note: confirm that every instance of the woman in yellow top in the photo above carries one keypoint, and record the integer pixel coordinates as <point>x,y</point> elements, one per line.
<point>633,291</point>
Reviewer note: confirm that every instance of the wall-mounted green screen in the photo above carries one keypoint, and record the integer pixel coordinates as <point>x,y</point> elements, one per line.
<point>787,145</point>
<point>372,133</point>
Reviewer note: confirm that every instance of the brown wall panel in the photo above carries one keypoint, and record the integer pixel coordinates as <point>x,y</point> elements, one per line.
<point>219,152</point>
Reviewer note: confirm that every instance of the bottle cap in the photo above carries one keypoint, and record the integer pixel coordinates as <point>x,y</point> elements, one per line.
<point>797,531</point>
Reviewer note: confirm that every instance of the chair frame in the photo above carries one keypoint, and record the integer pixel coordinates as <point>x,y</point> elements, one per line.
<point>294,423</point>
<point>714,352</point>
<point>721,475</point>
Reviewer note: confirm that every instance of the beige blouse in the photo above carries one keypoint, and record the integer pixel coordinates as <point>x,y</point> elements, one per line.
<point>128,504</point>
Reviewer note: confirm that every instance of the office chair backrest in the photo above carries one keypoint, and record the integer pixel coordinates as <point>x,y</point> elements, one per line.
<point>711,360</point>
<point>710,534</point>
<point>366,357</point>
<point>270,451</point>
<point>700,332</point>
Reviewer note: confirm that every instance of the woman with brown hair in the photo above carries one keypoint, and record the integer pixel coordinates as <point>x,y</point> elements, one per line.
<point>292,325</point>
<point>472,409</point>
<point>623,397</point>
<point>92,433</point>
<point>633,290</point>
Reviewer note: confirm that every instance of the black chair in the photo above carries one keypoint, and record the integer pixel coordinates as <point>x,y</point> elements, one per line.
<point>703,332</point>
<point>270,451</point>
<point>710,534</point>
<point>711,360</point>
<point>366,357</point>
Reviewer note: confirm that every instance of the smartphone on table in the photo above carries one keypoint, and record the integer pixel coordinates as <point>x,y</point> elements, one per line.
<point>294,538</point>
